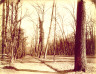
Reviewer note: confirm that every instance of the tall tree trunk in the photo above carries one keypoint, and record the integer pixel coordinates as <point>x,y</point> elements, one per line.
<point>95,39</point>
<point>80,39</point>
<point>46,48</point>
<point>41,38</point>
<point>3,28</point>
<point>55,35</point>
<point>6,25</point>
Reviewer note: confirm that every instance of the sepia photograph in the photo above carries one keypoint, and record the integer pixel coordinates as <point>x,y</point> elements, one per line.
<point>47,36</point>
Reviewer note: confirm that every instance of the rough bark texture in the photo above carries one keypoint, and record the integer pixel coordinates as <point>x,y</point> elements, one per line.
<point>3,28</point>
<point>80,39</point>
<point>95,39</point>
<point>94,1</point>
<point>41,38</point>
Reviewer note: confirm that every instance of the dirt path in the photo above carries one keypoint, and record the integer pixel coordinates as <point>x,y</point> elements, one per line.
<point>33,65</point>
<point>28,65</point>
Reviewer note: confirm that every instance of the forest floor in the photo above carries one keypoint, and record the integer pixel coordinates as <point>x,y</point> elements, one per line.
<point>50,65</point>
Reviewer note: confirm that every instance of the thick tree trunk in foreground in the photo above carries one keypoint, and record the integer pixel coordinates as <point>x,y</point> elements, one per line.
<point>80,39</point>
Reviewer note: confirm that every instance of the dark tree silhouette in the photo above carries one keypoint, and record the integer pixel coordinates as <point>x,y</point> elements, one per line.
<point>80,39</point>
<point>3,28</point>
<point>41,38</point>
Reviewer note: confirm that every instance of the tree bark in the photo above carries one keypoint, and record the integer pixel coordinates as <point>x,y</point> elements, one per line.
<point>80,39</point>
<point>3,28</point>
<point>95,39</point>
<point>41,38</point>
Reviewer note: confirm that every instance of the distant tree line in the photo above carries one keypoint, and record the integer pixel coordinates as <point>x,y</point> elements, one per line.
<point>66,44</point>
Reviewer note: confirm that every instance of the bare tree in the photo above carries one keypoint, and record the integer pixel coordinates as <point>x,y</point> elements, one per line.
<point>80,39</point>
<point>73,14</point>
<point>40,12</point>
<point>13,38</point>
<point>94,1</point>
<point>17,34</point>
<point>55,33</point>
<point>13,29</point>
<point>90,35</point>
<point>41,38</point>
<point>3,28</point>
<point>46,48</point>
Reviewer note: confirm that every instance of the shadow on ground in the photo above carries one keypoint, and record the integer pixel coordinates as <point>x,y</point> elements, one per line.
<point>58,71</point>
<point>30,70</point>
<point>45,62</point>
